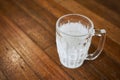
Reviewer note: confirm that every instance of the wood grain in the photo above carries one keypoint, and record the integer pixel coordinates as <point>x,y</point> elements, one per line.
<point>39,62</point>
<point>2,76</point>
<point>12,64</point>
<point>112,5</point>
<point>27,40</point>
<point>27,23</point>
<point>101,10</point>
<point>92,68</point>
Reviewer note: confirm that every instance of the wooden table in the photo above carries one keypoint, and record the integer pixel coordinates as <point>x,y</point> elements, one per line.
<point>27,40</point>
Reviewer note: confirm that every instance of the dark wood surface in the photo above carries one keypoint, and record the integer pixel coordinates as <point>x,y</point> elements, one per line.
<point>27,39</point>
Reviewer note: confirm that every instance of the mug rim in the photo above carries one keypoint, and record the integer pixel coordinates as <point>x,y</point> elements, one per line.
<point>57,29</point>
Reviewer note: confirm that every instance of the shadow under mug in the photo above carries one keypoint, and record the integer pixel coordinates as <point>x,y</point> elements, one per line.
<point>72,48</point>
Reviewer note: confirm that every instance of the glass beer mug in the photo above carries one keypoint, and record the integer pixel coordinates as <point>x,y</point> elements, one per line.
<point>74,33</point>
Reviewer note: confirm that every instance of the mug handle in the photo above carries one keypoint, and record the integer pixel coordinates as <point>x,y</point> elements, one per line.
<point>102,34</point>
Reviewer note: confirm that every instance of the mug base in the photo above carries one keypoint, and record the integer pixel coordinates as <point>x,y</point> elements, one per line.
<point>72,66</point>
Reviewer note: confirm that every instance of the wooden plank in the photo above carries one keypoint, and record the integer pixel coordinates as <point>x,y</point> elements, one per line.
<point>38,13</point>
<point>37,60</point>
<point>102,11</point>
<point>90,68</point>
<point>34,29</point>
<point>113,5</point>
<point>108,67</point>
<point>52,7</point>
<point>58,0</point>
<point>112,30</point>
<point>12,64</point>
